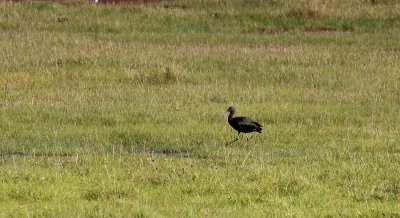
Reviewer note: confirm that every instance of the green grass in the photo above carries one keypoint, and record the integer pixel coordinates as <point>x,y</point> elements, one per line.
<point>114,112</point>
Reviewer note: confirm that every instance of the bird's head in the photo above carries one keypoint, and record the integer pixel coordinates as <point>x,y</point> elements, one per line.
<point>230,109</point>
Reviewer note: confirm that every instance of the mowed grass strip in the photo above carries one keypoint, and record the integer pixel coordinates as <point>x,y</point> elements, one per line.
<point>113,110</point>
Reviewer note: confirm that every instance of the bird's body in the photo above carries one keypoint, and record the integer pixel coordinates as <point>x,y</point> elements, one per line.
<point>245,125</point>
<point>242,124</point>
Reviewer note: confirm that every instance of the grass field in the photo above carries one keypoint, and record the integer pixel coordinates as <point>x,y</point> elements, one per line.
<point>114,110</point>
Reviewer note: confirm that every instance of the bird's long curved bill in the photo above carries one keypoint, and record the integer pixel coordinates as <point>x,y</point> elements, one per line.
<point>223,113</point>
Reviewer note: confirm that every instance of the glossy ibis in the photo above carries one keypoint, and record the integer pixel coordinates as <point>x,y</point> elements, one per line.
<point>241,124</point>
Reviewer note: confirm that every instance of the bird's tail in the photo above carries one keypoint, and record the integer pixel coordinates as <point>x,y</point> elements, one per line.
<point>259,129</point>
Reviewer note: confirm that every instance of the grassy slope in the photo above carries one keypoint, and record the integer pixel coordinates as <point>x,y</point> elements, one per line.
<point>96,102</point>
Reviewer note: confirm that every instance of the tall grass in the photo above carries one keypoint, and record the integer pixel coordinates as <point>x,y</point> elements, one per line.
<point>113,110</point>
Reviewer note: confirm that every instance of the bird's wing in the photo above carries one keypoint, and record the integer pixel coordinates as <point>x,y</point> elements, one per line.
<point>245,122</point>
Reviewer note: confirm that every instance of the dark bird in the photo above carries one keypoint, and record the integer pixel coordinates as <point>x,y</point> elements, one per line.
<point>241,124</point>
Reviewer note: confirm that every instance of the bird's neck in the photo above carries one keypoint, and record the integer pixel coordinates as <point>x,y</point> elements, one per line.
<point>231,115</point>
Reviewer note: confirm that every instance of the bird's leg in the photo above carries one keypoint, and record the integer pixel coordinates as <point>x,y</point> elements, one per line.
<point>247,139</point>
<point>234,140</point>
